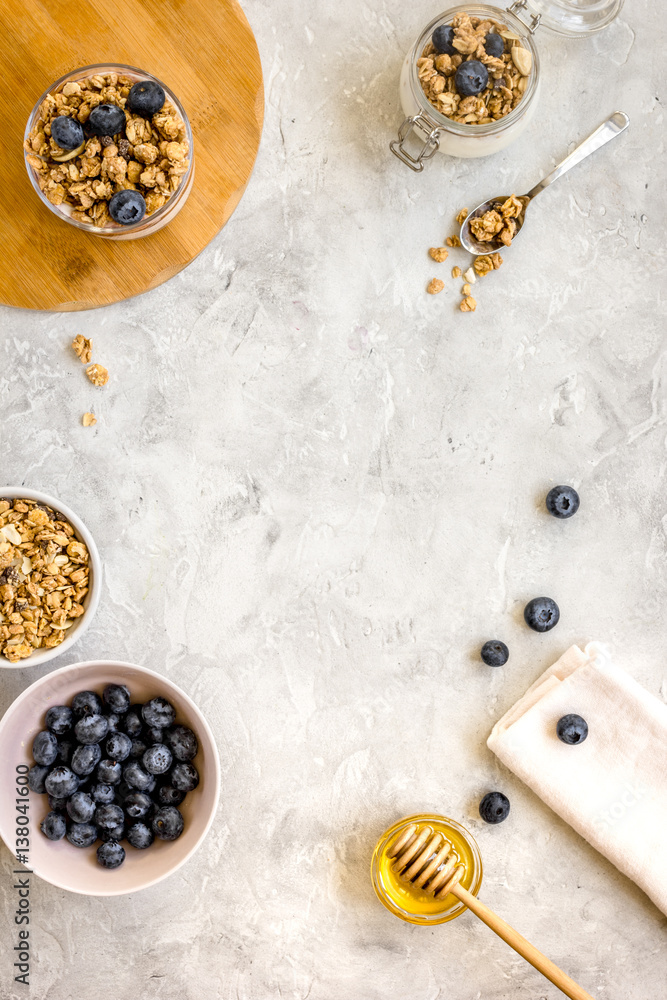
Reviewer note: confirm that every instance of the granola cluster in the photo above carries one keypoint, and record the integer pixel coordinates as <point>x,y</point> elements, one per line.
<point>44,577</point>
<point>500,223</point>
<point>151,155</point>
<point>507,73</point>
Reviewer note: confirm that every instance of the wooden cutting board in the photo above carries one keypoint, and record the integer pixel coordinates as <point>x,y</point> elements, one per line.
<point>206,53</point>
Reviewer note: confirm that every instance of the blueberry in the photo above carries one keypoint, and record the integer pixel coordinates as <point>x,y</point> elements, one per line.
<point>113,718</point>
<point>85,759</point>
<point>44,747</point>
<point>495,653</point>
<point>135,776</point>
<point>118,746</point>
<point>108,816</point>
<point>86,703</point>
<point>137,804</point>
<point>53,826</point>
<point>146,98</point>
<point>442,39</point>
<point>111,854</point>
<point>66,747</point>
<point>182,742</point>
<point>139,748</point>
<point>572,729</point>
<point>59,719</point>
<point>57,804</point>
<point>80,807</point>
<point>157,759</point>
<point>562,501</point>
<point>107,119</point>
<point>494,45</point>
<point>167,795</point>
<point>471,78</point>
<point>140,836</point>
<point>167,823</point>
<point>36,776</point>
<point>82,834</point>
<point>91,728</point>
<point>61,782</point>
<point>158,712</point>
<point>102,794</point>
<point>109,772</point>
<point>66,132</point>
<point>127,206</point>
<point>184,777</point>
<point>133,722</point>
<point>115,833</point>
<point>541,614</point>
<point>154,734</point>
<point>122,792</point>
<point>117,697</point>
<point>494,807</point>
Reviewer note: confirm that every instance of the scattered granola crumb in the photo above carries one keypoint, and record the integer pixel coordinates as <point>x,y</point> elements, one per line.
<point>88,419</point>
<point>487,262</point>
<point>434,286</point>
<point>468,304</point>
<point>97,375</point>
<point>439,254</point>
<point>466,290</point>
<point>453,241</point>
<point>483,265</point>
<point>44,577</point>
<point>462,216</point>
<point>456,272</point>
<point>469,276</point>
<point>82,347</point>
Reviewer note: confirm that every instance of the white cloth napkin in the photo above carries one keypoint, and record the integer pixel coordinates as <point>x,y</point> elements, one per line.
<point>612,788</point>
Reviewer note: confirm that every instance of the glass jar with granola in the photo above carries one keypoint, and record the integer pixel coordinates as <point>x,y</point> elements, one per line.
<point>470,84</point>
<point>108,149</point>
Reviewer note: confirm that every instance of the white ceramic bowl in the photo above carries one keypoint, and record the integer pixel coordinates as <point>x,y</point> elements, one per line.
<point>92,598</point>
<point>76,869</point>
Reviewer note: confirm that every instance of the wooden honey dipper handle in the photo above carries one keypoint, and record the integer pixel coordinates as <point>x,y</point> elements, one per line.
<point>425,858</point>
<point>520,945</point>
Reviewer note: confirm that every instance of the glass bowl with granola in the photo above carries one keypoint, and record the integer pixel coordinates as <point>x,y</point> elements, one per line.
<point>470,84</point>
<point>50,577</point>
<point>108,149</point>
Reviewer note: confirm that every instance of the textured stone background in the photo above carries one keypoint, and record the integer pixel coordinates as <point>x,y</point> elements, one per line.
<point>316,490</point>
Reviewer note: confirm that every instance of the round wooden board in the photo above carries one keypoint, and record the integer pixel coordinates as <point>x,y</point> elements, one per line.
<point>205,52</point>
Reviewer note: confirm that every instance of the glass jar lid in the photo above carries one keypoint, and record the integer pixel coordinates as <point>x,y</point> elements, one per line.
<point>567,17</point>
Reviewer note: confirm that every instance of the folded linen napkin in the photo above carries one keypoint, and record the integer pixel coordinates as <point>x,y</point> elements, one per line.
<point>612,788</point>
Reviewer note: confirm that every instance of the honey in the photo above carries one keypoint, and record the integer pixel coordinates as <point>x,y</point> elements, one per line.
<point>412,904</point>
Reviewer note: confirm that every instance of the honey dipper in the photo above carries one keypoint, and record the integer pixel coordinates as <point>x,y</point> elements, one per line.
<point>426,859</point>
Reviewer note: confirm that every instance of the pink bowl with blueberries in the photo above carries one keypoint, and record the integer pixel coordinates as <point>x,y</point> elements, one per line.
<point>166,789</point>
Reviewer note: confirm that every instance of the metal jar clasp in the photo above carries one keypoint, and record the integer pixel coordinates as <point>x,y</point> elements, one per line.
<point>520,5</point>
<point>426,132</point>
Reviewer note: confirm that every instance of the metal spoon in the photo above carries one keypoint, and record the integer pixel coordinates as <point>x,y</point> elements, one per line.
<point>613,126</point>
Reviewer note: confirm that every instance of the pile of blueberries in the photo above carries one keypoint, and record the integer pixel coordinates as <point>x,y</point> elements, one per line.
<point>541,614</point>
<point>113,771</point>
